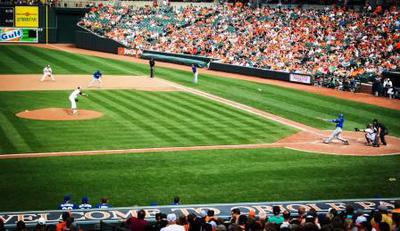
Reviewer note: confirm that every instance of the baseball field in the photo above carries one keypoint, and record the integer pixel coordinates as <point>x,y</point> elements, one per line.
<point>222,140</point>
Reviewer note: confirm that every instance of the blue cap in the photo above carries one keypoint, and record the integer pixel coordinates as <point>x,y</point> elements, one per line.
<point>67,198</point>
<point>85,200</point>
<point>340,115</point>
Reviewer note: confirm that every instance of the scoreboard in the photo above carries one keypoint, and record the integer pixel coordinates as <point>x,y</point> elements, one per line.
<point>6,16</point>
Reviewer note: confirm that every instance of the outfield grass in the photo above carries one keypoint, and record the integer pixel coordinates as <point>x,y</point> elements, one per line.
<point>132,119</point>
<point>196,176</point>
<point>300,106</point>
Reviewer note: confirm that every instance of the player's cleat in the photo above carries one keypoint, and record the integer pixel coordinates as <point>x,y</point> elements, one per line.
<point>346,142</point>
<point>326,142</point>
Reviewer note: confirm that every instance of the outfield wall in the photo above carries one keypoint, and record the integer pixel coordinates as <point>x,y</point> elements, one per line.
<point>91,41</point>
<point>62,24</point>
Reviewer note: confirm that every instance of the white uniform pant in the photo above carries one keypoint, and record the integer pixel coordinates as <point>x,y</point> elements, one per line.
<point>47,75</point>
<point>195,77</point>
<point>73,103</point>
<point>335,134</point>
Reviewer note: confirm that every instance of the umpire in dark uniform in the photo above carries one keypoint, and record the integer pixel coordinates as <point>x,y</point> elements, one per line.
<point>152,64</point>
<point>381,132</point>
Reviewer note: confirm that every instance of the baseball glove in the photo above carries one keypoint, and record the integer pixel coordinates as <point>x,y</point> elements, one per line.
<point>76,100</point>
<point>356,129</point>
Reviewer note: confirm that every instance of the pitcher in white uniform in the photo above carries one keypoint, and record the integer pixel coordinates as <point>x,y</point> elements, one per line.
<point>73,98</point>
<point>47,72</point>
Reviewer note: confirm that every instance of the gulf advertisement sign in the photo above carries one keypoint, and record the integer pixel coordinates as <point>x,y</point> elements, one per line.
<point>13,34</point>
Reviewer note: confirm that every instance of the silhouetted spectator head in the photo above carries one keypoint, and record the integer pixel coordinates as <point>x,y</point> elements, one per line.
<point>301,211</point>
<point>286,215</point>
<point>141,214</point>
<point>308,226</point>
<point>349,210</point>
<point>235,211</point>
<point>377,217</point>
<point>65,216</point>
<point>21,226</point>
<point>383,209</point>
<point>383,226</point>
<point>276,210</point>
<point>210,213</point>
<point>242,219</point>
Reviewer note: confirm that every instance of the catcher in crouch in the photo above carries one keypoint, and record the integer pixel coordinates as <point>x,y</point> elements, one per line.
<point>73,98</point>
<point>370,134</point>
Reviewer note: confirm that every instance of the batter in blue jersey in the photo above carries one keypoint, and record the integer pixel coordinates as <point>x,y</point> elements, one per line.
<point>336,133</point>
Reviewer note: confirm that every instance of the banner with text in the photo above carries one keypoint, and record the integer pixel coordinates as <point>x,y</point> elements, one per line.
<point>300,78</point>
<point>221,210</point>
<point>27,16</point>
<point>18,35</point>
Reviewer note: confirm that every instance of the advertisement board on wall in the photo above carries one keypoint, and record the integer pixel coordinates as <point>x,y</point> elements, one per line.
<point>12,34</point>
<point>27,16</point>
<point>300,78</point>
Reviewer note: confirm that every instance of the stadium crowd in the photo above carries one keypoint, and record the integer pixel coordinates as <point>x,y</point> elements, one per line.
<point>349,219</point>
<point>332,41</point>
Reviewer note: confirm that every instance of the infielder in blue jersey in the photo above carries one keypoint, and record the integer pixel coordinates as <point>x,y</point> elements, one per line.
<point>96,79</point>
<point>336,133</point>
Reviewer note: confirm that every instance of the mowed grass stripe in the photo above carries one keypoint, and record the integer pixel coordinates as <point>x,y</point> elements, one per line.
<point>171,120</point>
<point>6,144</point>
<point>199,113</point>
<point>13,134</point>
<point>134,125</point>
<point>71,64</point>
<point>22,60</point>
<point>8,65</point>
<point>192,131</point>
<point>195,123</point>
<point>65,62</point>
<point>129,115</point>
<point>165,119</point>
<point>227,111</point>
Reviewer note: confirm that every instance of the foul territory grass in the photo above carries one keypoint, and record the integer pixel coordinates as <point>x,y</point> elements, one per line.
<point>196,176</point>
<point>132,119</point>
<point>296,105</point>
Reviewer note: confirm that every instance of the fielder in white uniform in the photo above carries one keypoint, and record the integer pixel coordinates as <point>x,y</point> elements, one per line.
<point>370,134</point>
<point>73,98</point>
<point>47,72</point>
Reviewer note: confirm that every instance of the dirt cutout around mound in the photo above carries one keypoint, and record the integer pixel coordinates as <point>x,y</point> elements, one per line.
<point>70,82</point>
<point>59,114</point>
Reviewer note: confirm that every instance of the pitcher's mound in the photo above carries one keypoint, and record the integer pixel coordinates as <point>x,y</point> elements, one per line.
<point>58,114</point>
